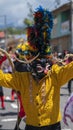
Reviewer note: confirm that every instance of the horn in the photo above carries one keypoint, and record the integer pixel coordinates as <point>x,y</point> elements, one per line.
<point>11,63</point>
<point>27,61</point>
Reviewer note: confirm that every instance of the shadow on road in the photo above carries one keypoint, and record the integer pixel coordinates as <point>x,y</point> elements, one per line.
<point>8,114</point>
<point>0,126</point>
<point>64,88</point>
<point>64,94</point>
<point>6,129</point>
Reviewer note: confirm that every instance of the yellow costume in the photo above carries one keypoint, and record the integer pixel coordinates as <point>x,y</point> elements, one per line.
<point>40,100</point>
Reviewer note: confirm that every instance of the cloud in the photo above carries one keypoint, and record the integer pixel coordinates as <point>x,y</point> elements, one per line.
<point>17,10</point>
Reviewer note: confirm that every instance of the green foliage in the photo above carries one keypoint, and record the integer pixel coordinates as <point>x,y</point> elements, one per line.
<point>27,22</point>
<point>15,31</point>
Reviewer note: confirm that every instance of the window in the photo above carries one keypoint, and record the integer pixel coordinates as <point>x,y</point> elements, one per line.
<point>54,31</point>
<point>65,16</point>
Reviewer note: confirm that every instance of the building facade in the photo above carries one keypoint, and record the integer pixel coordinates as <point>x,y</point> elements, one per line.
<point>62,31</point>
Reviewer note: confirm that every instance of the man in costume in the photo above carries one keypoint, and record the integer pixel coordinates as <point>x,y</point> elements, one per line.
<point>40,86</point>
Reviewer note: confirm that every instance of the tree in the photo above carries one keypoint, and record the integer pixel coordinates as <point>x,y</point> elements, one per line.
<point>29,21</point>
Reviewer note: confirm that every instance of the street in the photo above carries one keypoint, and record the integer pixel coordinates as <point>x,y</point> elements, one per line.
<point>8,116</point>
<point>64,95</point>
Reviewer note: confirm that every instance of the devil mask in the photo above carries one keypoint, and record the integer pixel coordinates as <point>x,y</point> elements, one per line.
<point>40,67</point>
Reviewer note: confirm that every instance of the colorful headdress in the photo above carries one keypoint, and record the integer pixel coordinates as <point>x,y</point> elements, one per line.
<point>38,35</point>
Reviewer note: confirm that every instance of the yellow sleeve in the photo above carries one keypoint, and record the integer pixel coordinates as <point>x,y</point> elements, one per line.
<point>11,80</point>
<point>63,73</point>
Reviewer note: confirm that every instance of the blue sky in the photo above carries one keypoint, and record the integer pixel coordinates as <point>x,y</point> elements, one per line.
<point>16,10</point>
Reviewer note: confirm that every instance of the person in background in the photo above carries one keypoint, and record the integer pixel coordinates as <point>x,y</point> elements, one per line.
<point>21,113</point>
<point>2,97</point>
<point>21,42</point>
<point>12,55</point>
<point>2,59</point>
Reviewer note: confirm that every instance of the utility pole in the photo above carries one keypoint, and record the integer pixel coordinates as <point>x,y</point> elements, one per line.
<point>5,22</point>
<point>71,25</point>
<point>5,29</point>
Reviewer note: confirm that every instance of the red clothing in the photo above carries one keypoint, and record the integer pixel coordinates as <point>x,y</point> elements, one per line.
<point>3,59</point>
<point>21,112</point>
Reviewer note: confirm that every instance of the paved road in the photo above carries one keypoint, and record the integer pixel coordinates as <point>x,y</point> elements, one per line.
<point>64,95</point>
<point>8,116</point>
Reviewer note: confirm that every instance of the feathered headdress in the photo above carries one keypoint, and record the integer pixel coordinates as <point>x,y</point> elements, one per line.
<point>38,35</point>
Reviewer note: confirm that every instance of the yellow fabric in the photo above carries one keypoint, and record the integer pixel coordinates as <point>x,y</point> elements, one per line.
<point>43,109</point>
<point>25,46</point>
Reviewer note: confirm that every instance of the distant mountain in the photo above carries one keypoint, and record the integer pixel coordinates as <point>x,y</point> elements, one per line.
<point>6,26</point>
<point>12,25</point>
<point>19,26</point>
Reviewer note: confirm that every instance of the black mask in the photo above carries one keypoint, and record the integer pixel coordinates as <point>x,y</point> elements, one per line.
<point>40,67</point>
